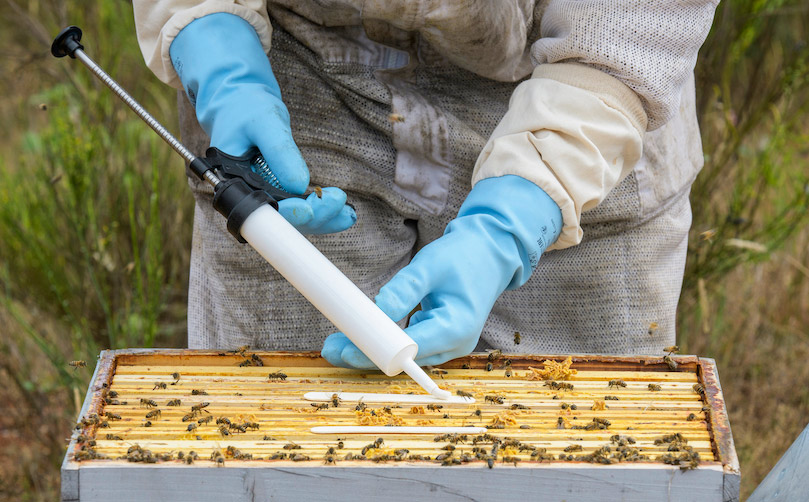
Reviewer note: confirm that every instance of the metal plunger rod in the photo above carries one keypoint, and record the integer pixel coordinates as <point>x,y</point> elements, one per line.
<point>75,51</point>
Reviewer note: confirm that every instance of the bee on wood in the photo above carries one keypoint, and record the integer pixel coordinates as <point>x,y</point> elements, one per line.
<point>573,447</point>
<point>176,377</point>
<point>241,350</point>
<point>489,366</point>
<point>113,437</point>
<point>191,427</point>
<point>360,406</point>
<point>160,386</point>
<point>434,407</point>
<point>465,366</point>
<point>147,423</point>
<point>197,408</point>
<point>319,406</point>
<point>174,402</point>
<point>508,373</point>
<point>335,400</point>
<point>329,459</point>
<point>245,363</point>
<point>493,399</point>
<point>490,462</point>
<point>154,414</point>
<point>278,375</point>
<point>517,406</point>
<point>438,372</point>
<point>517,338</point>
<point>672,349</point>
<point>560,423</point>
<point>205,420</point>
<point>463,393</point>
<point>691,417</point>
<point>189,416</point>
<point>617,383</point>
<point>653,387</point>
<point>493,355</point>
<point>189,460</point>
<point>220,461</point>
<point>223,430</point>
<point>278,456</point>
<point>699,389</point>
<point>672,364</point>
<point>112,416</point>
<point>292,446</point>
<point>198,392</point>
<point>149,403</point>
<point>477,413</point>
<point>104,425</point>
<point>299,457</point>
<point>256,360</point>
<point>223,420</point>
<point>340,445</point>
<point>611,398</point>
<point>252,425</point>
<point>78,364</point>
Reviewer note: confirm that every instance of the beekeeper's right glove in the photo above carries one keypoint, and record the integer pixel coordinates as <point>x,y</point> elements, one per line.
<point>228,79</point>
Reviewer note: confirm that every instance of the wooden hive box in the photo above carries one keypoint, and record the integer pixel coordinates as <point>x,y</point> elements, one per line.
<point>545,440</point>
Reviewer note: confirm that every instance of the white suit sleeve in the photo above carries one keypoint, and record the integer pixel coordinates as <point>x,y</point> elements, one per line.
<point>158,21</point>
<point>606,73</point>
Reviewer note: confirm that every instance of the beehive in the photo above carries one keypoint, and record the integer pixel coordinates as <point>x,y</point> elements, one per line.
<point>609,437</point>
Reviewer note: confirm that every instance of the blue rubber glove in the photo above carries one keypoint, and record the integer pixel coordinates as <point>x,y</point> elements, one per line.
<point>494,244</point>
<point>228,78</point>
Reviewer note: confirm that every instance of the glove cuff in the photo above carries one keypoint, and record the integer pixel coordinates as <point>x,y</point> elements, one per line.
<point>522,209</point>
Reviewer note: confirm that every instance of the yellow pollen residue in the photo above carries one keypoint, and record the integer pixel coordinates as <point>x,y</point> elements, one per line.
<point>379,416</point>
<point>504,418</point>
<point>417,410</point>
<point>425,422</point>
<point>552,370</point>
<point>599,406</point>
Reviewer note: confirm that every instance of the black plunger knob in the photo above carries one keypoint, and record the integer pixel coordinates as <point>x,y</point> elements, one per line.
<point>66,42</point>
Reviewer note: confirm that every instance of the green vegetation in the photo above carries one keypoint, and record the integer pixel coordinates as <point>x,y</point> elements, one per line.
<point>95,225</point>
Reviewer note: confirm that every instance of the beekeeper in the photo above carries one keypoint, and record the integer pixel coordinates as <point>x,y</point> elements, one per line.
<point>471,139</point>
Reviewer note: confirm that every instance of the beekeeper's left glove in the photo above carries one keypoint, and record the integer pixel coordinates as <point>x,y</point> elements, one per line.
<point>494,244</point>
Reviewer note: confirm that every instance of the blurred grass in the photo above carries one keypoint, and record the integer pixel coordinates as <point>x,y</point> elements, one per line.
<point>95,226</point>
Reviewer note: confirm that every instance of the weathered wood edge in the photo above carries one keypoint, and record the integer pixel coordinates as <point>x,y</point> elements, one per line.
<point>719,426</point>
<point>476,360</point>
<point>402,484</point>
<point>70,469</point>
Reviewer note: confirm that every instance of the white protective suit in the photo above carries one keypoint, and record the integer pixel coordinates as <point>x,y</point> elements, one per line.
<point>406,104</point>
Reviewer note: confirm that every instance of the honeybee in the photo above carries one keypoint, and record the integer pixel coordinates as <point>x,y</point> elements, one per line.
<point>223,420</point>
<point>517,338</point>
<point>256,360</point>
<point>508,373</point>
<point>299,457</point>
<point>672,364</point>
<point>489,366</point>
<point>438,372</point>
<point>223,430</point>
<point>652,328</point>
<point>495,354</point>
<point>244,363</point>
<point>319,406</point>
<point>699,389</point>
<point>154,414</point>
<point>360,406</point>
<point>434,407</point>
<point>149,403</point>
<point>463,393</point>
<point>78,364</point>
<point>198,392</point>
<point>278,375</point>
<point>174,402</point>
<point>653,387</point>
<point>147,423</point>
<point>691,417</point>
<point>176,377</point>
<point>672,349</point>
<point>114,437</point>
<point>199,407</point>
<point>335,400</point>
<point>159,385</point>
<point>396,117</point>
<point>617,383</point>
<point>340,445</point>
<point>112,416</point>
<point>191,427</point>
<point>494,399</point>
<point>241,350</point>
<point>292,446</point>
<point>205,420</point>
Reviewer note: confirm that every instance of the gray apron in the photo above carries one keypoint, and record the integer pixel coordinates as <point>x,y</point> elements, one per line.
<point>407,174</point>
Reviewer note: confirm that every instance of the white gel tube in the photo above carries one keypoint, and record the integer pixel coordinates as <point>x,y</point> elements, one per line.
<point>335,296</point>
